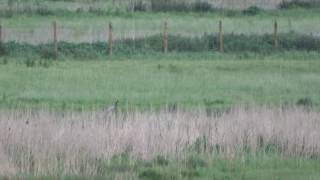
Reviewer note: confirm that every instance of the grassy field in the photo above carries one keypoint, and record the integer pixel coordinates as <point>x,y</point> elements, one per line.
<point>151,82</point>
<point>251,112</point>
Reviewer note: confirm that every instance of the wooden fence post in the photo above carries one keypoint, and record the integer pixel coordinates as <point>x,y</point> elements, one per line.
<point>275,34</point>
<point>55,37</point>
<point>1,34</point>
<point>221,45</point>
<point>110,40</point>
<point>165,38</point>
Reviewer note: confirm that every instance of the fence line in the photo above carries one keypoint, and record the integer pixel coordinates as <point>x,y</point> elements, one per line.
<point>0,33</point>
<point>165,37</point>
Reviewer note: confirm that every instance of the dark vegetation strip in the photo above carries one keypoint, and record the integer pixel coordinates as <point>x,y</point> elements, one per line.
<point>233,43</point>
<point>147,6</point>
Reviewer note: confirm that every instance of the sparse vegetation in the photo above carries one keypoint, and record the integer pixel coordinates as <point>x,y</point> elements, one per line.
<point>244,140</point>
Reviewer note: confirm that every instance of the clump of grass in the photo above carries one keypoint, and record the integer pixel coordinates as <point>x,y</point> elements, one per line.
<point>252,11</point>
<point>48,53</point>
<point>34,62</point>
<point>194,162</point>
<point>30,62</point>
<point>306,102</point>
<point>161,161</point>
<point>151,174</point>
<point>4,61</point>
<point>3,49</point>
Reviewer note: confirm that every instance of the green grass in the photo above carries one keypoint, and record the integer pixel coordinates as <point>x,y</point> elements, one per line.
<point>246,167</point>
<point>144,82</point>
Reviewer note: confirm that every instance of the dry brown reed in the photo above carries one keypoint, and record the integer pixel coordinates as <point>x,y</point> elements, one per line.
<point>40,142</point>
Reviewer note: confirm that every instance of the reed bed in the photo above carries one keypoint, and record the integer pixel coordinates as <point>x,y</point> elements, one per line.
<point>41,142</point>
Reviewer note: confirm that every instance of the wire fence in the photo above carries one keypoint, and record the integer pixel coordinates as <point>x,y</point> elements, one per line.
<point>41,34</point>
<point>160,38</point>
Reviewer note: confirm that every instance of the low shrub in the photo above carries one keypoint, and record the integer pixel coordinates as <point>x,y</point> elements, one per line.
<point>43,10</point>
<point>30,62</point>
<point>252,11</point>
<point>151,174</point>
<point>47,52</point>
<point>176,5</point>
<point>3,50</point>
<point>35,62</point>
<point>306,102</point>
<point>169,5</point>
<point>298,4</point>
<point>202,6</point>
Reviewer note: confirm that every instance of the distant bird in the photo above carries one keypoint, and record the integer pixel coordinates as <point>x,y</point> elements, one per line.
<point>111,110</point>
<point>173,108</point>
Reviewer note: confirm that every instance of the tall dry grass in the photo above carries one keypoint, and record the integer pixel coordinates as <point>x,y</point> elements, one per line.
<point>50,143</point>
